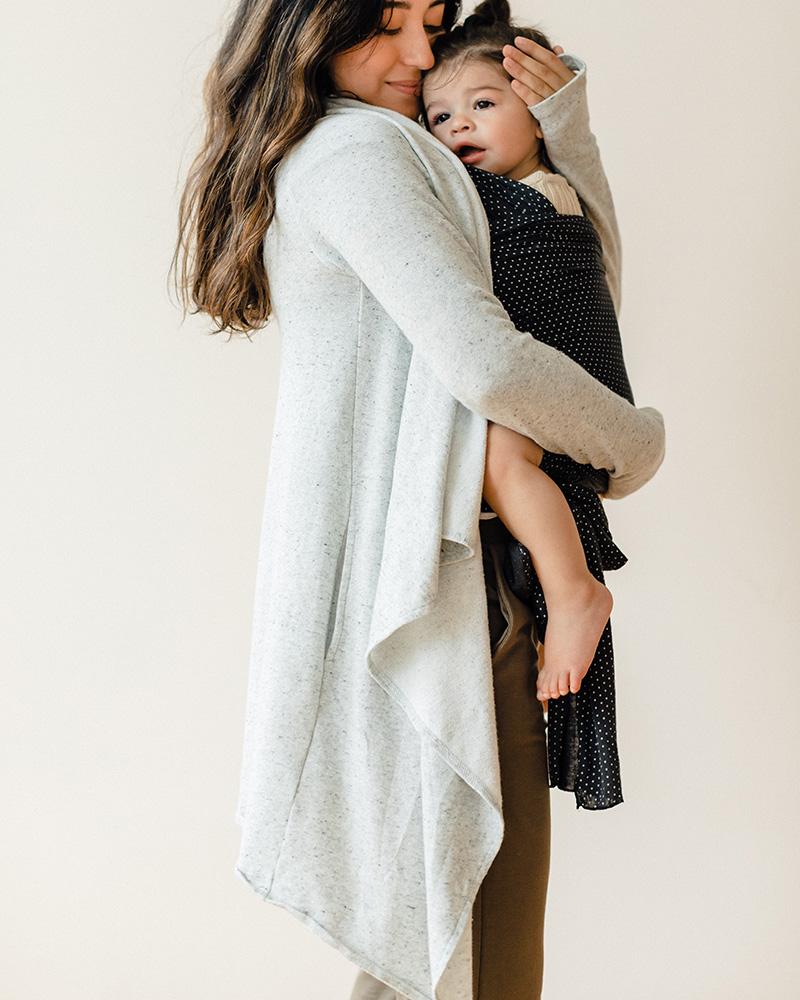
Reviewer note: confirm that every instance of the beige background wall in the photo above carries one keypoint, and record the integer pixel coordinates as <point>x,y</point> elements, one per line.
<point>134,456</point>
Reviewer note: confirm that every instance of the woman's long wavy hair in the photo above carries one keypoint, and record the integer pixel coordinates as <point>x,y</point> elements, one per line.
<point>264,92</point>
<point>482,36</point>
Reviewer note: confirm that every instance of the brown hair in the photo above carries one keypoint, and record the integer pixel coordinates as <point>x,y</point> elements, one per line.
<point>264,92</point>
<point>482,37</point>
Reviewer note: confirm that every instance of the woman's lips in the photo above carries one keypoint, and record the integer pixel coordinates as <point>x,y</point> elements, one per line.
<point>471,154</point>
<point>406,88</point>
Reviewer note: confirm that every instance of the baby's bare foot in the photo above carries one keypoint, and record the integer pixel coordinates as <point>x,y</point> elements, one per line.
<point>574,627</point>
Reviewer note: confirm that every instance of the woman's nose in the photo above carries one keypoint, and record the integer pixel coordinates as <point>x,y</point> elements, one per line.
<point>416,49</point>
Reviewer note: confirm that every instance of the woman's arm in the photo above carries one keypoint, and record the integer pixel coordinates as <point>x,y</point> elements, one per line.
<point>367,195</point>
<point>570,142</point>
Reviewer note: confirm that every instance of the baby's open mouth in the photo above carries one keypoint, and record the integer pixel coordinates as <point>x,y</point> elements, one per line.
<point>471,154</point>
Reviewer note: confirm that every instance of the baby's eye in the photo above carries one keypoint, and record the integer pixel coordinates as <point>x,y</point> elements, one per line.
<point>484,100</point>
<point>439,118</point>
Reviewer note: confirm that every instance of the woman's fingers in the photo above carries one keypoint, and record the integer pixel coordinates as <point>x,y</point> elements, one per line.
<point>537,68</point>
<point>538,73</point>
<point>535,55</point>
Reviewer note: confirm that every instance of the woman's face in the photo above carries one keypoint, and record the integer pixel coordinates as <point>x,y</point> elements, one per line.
<point>387,71</point>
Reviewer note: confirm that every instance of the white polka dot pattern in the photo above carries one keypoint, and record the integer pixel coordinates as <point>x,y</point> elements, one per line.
<point>548,272</point>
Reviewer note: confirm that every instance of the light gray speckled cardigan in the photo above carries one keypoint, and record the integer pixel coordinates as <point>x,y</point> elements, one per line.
<point>370,802</point>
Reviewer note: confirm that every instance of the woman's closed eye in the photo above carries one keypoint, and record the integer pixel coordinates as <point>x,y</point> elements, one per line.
<point>442,116</point>
<point>432,29</point>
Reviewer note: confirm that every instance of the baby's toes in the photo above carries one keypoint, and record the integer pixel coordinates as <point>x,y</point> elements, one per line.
<point>541,690</point>
<point>575,682</point>
<point>563,682</point>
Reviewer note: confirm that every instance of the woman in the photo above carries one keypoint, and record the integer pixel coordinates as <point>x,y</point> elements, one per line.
<point>371,804</point>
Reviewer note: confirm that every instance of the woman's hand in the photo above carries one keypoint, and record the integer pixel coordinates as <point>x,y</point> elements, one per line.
<point>538,73</point>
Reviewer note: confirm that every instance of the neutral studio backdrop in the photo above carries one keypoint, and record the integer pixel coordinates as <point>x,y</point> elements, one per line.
<point>134,457</point>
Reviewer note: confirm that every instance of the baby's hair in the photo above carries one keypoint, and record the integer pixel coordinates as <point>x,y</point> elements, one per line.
<point>482,37</point>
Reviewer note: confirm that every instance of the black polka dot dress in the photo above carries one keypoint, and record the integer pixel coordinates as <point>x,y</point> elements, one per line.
<point>548,272</point>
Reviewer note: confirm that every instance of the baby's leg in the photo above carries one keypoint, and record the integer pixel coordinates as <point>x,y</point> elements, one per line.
<point>536,512</point>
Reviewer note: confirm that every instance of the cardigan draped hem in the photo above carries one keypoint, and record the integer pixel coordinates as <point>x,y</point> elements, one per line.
<point>427,647</point>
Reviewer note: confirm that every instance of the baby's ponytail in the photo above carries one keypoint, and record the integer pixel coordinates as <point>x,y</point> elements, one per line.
<point>488,13</point>
<point>482,35</point>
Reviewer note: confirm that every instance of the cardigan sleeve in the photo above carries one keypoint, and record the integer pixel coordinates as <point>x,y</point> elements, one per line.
<point>367,201</point>
<point>573,150</point>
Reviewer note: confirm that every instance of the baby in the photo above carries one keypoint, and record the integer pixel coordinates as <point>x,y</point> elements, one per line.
<point>548,273</point>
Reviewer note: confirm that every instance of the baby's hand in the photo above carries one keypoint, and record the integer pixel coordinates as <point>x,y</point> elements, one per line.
<point>538,73</point>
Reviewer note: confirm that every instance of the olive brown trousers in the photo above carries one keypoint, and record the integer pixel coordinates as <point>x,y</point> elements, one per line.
<point>508,912</point>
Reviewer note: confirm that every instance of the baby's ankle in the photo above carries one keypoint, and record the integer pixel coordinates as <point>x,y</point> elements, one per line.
<point>578,594</point>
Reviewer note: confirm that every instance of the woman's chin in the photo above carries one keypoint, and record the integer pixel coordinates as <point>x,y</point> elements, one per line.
<point>405,104</point>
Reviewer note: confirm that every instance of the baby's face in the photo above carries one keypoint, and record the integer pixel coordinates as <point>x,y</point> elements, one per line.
<point>478,116</point>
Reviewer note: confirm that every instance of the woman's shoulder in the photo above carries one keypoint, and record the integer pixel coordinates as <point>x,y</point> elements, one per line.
<point>369,160</point>
<point>352,139</point>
